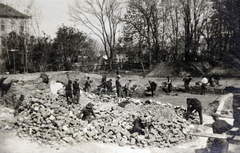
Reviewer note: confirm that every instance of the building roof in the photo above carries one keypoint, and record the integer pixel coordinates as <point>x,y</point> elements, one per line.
<point>8,12</point>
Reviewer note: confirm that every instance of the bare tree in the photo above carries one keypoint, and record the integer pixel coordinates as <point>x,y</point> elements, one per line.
<point>191,13</point>
<point>102,17</point>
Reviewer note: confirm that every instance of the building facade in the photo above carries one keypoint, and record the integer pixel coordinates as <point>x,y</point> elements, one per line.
<point>11,20</point>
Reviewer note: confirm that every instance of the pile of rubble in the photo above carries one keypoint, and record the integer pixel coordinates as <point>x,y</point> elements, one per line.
<point>49,119</point>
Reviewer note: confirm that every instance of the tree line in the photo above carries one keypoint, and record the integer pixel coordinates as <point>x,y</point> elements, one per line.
<point>145,31</point>
<point>25,53</point>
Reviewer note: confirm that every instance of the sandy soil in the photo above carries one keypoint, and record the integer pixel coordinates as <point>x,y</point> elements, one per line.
<point>11,143</point>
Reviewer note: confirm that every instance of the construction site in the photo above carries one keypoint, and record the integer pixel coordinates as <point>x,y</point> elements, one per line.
<point>48,123</point>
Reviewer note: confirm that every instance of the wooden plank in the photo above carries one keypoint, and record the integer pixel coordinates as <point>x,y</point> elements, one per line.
<point>213,135</point>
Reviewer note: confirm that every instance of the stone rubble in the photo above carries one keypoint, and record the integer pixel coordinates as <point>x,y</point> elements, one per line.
<point>48,118</point>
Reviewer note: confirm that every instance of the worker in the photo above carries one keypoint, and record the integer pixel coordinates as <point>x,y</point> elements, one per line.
<point>194,104</point>
<point>76,91</point>
<point>186,81</point>
<point>218,145</point>
<point>169,84</point>
<point>87,85</point>
<point>152,87</point>
<point>118,85</point>
<point>19,106</point>
<point>141,126</point>
<point>109,85</point>
<point>204,85</point>
<point>68,90</point>
<point>87,113</point>
<point>127,88</point>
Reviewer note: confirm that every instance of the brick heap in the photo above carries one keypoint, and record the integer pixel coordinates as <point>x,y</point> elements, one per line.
<point>48,118</point>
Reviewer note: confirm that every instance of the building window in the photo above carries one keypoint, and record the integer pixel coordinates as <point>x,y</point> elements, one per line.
<point>2,25</point>
<point>13,25</point>
<point>22,26</point>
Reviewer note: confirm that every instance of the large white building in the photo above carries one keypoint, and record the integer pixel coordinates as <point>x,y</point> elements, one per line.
<point>11,20</point>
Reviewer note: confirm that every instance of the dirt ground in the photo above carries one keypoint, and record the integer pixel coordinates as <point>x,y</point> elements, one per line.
<point>11,143</point>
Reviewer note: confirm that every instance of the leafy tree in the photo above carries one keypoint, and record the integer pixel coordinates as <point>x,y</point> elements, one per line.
<point>71,43</point>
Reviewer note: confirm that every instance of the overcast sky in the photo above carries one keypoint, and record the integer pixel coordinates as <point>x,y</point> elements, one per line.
<point>53,14</point>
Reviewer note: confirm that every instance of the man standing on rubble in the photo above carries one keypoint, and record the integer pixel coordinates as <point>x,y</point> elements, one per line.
<point>218,145</point>
<point>76,91</point>
<point>68,90</point>
<point>87,113</point>
<point>118,86</point>
<point>194,104</point>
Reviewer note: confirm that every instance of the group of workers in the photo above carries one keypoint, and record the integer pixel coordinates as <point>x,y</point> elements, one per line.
<point>73,91</point>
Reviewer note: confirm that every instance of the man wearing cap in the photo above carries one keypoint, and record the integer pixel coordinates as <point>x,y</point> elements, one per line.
<point>87,113</point>
<point>194,104</point>
<point>118,86</point>
<point>76,91</point>
<point>218,145</point>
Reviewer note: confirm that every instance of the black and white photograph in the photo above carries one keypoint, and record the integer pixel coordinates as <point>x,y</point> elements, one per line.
<point>119,76</point>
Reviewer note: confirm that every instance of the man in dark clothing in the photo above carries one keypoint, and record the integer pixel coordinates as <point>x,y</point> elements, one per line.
<point>169,84</point>
<point>152,87</point>
<point>140,126</point>
<point>186,82</point>
<point>194,104</point>
<point>68,90</point>
<point>218,145</point>
<point>87,113</point>
<point>19,106</point>
<point>109,85</point>
<point>87,85</point>
<point>44,77</point>
<point>76,91</point>
<point>118,86</point>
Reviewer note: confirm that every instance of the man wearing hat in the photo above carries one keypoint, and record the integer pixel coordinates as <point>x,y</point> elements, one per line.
<point>218,145</point>
<point>76,91</point>
<point>87,113</point>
